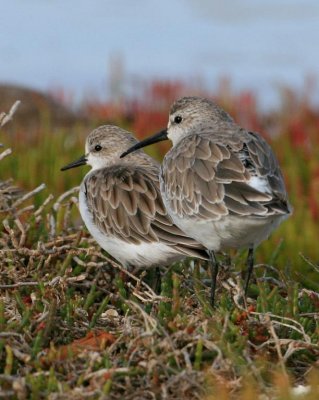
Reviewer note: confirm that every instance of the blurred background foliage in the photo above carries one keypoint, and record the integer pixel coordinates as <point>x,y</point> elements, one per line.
<point>49,131</point>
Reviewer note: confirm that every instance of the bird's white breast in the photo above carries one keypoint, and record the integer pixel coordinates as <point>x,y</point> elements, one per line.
<point>229,231</point>
<point>144,254</point>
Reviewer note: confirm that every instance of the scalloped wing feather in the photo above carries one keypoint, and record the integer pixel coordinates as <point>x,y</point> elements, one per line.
<point>126,203</point>
<point>204,179</point>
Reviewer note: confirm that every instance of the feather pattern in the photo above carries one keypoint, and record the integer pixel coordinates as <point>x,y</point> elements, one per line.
<point>213,173</point>
<point>125,203</point>
<point>121,204</point>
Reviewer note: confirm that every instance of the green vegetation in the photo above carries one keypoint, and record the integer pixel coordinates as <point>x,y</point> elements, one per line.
<point>74,324</point>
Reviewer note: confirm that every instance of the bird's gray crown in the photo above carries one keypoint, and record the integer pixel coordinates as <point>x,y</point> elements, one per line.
<point>106,143</point>
<point>191,115</point>
<point>200,106</point>
<point>111,136</point>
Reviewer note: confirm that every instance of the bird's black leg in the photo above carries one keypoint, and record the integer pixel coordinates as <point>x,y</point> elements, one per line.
<point>214,272</point>
<point>250,266</point>
<point>158,280</point>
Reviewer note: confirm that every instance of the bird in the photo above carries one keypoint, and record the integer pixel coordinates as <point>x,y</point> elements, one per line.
<point>121,204</point>
<point>221,184</point>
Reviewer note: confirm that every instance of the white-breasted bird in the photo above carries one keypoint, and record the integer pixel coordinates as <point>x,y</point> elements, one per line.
<point>121,204</point>
<point>221,184</point>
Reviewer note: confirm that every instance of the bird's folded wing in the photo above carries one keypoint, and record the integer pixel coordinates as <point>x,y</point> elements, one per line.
<point>127,204</point>
<point>265,165</point>
<point>204,179</point>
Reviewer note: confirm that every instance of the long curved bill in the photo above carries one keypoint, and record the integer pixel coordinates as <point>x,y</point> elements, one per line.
<point>158,137</point>
<point>81,161</point>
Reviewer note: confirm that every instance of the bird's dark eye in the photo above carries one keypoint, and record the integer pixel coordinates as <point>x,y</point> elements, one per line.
<point>98,147</point>
<point>178,119</point>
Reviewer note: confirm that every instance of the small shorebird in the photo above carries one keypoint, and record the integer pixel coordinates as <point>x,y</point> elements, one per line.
<point>121,204</point>
<point>221,184</point>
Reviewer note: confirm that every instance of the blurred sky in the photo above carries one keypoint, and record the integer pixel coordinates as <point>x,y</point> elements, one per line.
<point>69,43</point>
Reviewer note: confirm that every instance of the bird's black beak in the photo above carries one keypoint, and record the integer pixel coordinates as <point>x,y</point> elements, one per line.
<point>81,161</point>
<point>158,137</point>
